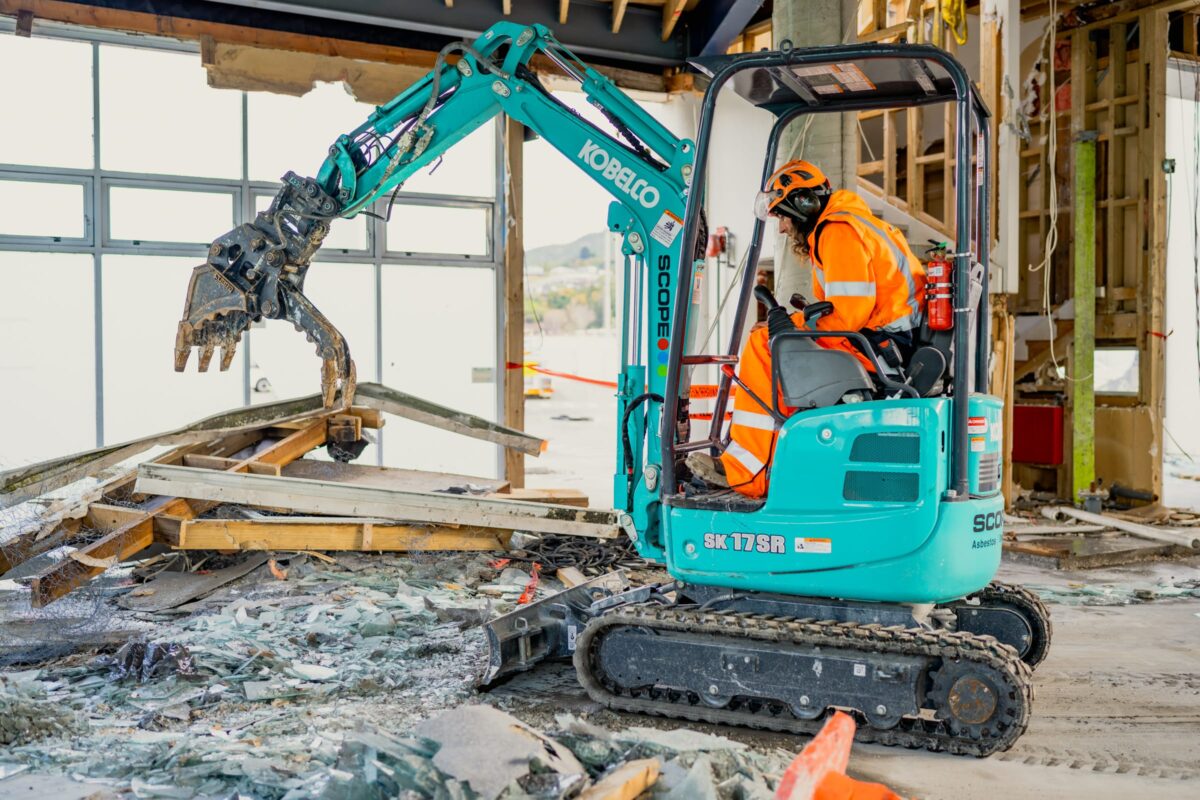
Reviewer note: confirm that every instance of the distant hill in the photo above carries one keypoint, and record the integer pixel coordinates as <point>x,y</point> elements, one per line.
<point>585,251</point>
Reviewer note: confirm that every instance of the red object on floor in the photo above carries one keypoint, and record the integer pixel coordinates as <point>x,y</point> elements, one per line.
<point>819,771</point>
<point>1038,434</point>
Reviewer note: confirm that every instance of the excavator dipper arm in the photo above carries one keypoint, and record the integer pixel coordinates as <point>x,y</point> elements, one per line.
<point>256,271</point>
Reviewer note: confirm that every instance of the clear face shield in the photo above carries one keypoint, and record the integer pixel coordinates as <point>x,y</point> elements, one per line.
<point>762,204</point>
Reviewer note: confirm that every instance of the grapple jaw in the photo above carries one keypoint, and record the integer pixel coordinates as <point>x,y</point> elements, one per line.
<point>257,271</point>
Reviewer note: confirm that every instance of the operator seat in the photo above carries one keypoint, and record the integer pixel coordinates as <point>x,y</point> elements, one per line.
<point>810,376</point>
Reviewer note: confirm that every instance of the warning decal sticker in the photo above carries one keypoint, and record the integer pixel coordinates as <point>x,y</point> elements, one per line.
<point>810,545</point>
<point>667,229</point>
<point>977,425</point>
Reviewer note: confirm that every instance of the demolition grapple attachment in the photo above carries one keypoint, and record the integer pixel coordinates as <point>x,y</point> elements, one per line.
<point>256,271</point>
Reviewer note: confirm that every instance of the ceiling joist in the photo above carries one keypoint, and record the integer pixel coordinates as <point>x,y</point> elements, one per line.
<point>671,11</point>
<point>618,14</point>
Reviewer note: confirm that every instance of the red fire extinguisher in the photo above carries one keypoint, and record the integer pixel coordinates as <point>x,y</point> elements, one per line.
<point>939,301</point>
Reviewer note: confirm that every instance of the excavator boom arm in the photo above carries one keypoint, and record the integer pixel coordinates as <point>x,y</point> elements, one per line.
<point>257,270</point>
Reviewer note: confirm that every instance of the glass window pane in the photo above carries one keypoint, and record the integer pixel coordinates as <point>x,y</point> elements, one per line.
<point>168,215</point>
<point>438,229</point>
<point>143,394</point>
<point>345,293</point>
<point>47,94</point>
<point>468,168</point>
<point>158,114</point>
<point>39,208</point>
<point>457,306</point>
<point>48,373</point>
<point>344,234</point>
<point>294,133</point>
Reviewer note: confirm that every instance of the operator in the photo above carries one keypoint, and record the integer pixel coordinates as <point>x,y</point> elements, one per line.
<point>861,265</point>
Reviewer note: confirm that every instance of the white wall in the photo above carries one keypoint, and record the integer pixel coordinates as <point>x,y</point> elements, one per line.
<point>739,145</point>
<point>1183,375</point>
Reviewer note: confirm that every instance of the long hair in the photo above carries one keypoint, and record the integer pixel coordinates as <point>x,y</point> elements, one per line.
<point>800,243</point>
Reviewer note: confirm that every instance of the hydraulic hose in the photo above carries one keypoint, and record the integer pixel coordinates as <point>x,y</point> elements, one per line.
<point>627,446</point>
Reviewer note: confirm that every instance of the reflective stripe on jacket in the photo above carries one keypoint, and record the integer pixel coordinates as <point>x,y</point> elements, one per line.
<point>752,431</point>
<point>865,267</point>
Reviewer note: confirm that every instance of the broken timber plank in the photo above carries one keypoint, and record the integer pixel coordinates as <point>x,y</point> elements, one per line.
<point>23,483</point>
<point>63,518</point>
<point>561,497</point>
<point>385,477</point>
<point>137,534</point>
<point>626,782</point>
<point>1165,535</point>
<point>384,398</point>
<point>1062,555</point>
<point>570,576</point>
<point>83,564</point>
<point>329,533</point>
<point>222,463</point>
<point>318,497</point>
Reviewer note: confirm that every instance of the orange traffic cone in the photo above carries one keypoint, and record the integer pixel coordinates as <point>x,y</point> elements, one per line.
<point>819,771</point>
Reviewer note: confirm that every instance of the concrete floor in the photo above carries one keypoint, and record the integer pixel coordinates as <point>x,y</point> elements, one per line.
<point>1117,705</point>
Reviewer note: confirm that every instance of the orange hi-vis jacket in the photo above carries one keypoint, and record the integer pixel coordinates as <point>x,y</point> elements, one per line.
<point>866,269</point>
<point>752,430</point>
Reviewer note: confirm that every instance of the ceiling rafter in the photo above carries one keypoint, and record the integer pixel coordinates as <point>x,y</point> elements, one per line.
<point>671,11</point>
<point>618,14</point>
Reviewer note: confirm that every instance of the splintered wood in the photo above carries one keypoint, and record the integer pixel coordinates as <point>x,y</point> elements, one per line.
<point>239,481</point>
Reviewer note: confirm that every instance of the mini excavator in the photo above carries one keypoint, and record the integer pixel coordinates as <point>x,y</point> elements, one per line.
<point>863,580</point>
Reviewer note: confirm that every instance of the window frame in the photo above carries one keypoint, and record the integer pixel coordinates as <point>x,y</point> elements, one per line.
<point>97,242</point>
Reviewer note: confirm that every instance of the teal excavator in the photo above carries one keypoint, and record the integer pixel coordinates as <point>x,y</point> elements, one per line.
<point>863,581</point>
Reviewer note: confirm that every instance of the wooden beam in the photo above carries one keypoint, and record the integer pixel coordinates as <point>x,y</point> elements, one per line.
<point>319,497</point>
<point>1153,281</point>
<point>626,782</point>
<point>405,405</point>
<point>196,30</point>
<point>1173,536</point>
<point>23,483</point>
<point>1031,365</point>
<point>514,296</point>
<point>560,497</point>
<point>222,463</point>
<point>506,7</point>
<point>1083,256</point>
<point>671,11</point>
<point>200,30</point>
<point>326,533</point>
<point>152,523</point>
<point>618,14</point>
<point>85,563</point>
<point>563,7</point>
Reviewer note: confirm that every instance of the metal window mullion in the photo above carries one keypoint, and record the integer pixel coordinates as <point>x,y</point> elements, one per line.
<point>246,214</point>
<point>497,247</point>
<point>98,223</point>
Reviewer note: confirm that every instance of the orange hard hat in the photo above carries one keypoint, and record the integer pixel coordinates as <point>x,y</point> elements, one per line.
<point>780,194</point>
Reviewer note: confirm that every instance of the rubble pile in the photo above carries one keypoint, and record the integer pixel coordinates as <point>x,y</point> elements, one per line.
<point>28,713</point>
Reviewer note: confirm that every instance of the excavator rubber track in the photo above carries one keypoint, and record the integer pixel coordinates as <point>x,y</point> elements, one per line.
<point>953,668</point>
<point>1032,608</point>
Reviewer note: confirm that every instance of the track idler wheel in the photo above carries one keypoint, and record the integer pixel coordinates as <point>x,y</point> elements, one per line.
<point>973,701</point>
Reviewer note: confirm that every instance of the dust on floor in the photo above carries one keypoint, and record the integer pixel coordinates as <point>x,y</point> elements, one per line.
<point>282,672</point>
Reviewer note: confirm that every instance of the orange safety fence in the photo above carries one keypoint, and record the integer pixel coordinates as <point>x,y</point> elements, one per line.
<point>698,391</point>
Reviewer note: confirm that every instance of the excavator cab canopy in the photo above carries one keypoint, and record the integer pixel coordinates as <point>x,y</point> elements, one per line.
<point>838,79</point>
<point>794,82</point>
